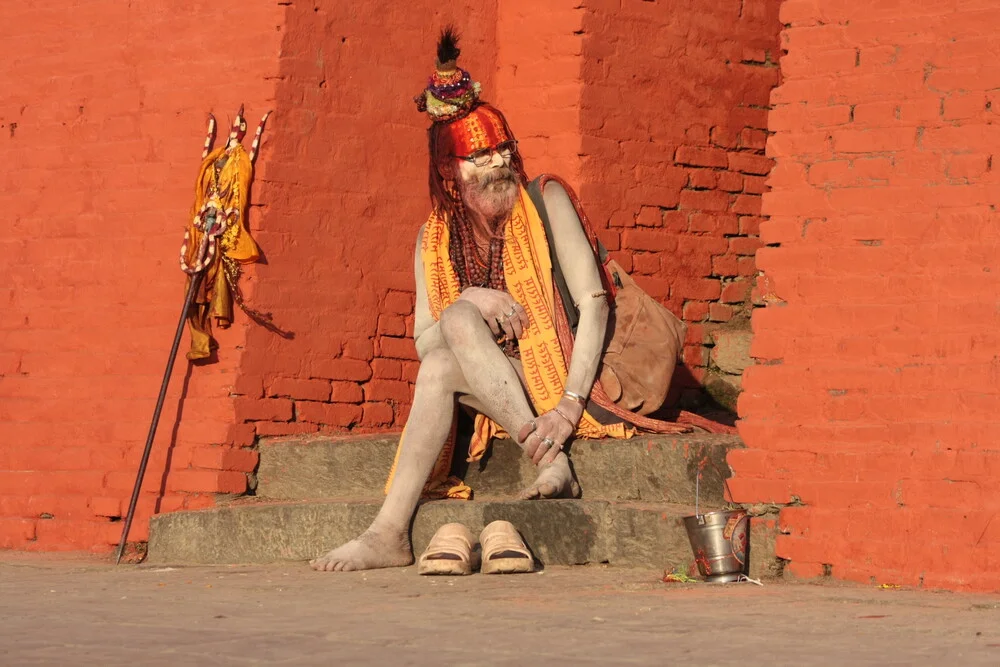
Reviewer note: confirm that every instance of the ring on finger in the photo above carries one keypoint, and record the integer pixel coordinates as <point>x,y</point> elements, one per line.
<point>548,442</point>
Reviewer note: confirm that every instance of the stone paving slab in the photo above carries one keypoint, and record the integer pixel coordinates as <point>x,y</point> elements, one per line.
<point>561,532</point>
<point>83,613</point>
<point>648,468</point>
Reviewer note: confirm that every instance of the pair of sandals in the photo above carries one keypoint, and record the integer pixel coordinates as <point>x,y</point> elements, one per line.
<point>454,551</point>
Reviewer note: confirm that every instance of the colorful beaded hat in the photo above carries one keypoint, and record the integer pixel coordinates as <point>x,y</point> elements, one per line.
<point>452,102</point>
<point>451,93</point>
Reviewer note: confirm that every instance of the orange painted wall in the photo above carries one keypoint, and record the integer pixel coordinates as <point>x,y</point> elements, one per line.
<point>104,134</point>
<point>343,194</point>
<point>673,124</point>
<point>101,126</point>
<point>872,412</point>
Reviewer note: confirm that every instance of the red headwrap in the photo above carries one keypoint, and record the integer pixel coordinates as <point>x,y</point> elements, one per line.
<point>483,127</point>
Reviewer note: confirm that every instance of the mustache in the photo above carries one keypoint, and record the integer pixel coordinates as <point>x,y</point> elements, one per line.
<point>498,175</point>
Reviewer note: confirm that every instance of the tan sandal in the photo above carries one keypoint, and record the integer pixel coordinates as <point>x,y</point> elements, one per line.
<point>453,550</point>
<point>504,552</point>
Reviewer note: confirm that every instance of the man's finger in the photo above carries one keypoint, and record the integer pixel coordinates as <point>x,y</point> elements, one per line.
<point>507,328</point>
<point>494,325</point>
<point>522,315</point>
<point>545,444</point>
<point>531,445</point>
<point>515,325</point>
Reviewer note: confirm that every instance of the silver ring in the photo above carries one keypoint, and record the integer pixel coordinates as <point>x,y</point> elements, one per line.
<point>549,441</point>
<point>513,309</point>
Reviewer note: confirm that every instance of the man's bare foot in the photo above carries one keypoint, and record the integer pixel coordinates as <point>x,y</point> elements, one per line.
<point>372,549</point>
<point>555,480</point>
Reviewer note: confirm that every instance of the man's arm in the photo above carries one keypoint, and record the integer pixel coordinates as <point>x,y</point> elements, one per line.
<point>426,332</point>
<point>579,267</point>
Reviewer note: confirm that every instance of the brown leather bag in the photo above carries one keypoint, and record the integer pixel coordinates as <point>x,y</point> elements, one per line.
<point>643,339</point>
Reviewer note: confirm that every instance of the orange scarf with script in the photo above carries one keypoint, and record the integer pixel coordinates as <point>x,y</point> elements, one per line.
<point>528,272</point>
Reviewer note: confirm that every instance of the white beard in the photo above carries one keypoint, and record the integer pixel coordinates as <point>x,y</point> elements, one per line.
<point>494,200</point>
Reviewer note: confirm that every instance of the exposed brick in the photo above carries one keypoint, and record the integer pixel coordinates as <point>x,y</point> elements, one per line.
<point>391,325</point>
<point>380,390</point>
<point>207,481</point>
<point>310,390</point>
<point>377,414</point>
<point>397,348</point>
<point>705,200</point>
<point>730,181</point>
<point>224,458</point>
<point>697,156</point>
<point>718,312</point>
<point>744,245</point>
<point>263,409</point>
<point>268,429</point>
<point>398,303</point>
<point>639,239</point>
<point>736,292</point>
<point>331,414</point>
<point>387,369</point>
<point>346,392</point>
<point>750,163</point>
<point>695,311</point>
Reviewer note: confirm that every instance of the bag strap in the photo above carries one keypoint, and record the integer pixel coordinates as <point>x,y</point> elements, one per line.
<point>572,314</point>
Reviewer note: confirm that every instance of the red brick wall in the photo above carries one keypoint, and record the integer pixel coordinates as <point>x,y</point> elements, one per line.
<point>540,49</point>
<point>343,194</point>
<point>101,126</point>
<point>673,123</point>
<point>873,408</point>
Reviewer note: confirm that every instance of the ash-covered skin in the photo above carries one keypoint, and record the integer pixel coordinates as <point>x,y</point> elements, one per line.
<point>459,356</point>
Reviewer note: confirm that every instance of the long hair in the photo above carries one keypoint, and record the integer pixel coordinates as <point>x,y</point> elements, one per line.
<point>439,150</point>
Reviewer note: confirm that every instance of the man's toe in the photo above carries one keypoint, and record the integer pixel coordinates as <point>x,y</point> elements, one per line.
<point>529,494</point>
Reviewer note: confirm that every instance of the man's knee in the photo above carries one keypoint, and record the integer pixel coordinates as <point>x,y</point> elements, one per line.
<point>458,321</point>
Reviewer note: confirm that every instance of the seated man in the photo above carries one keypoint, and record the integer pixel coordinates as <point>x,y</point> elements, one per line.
<point>485,319</point>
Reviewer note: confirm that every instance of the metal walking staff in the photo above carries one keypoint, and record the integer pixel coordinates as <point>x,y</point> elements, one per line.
<point>210,222</point>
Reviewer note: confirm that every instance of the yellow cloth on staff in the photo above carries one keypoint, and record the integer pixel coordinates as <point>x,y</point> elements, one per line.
<point>528,271</point>
<point>229,186</point>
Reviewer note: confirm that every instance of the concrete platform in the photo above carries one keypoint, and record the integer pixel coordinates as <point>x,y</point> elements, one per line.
<point>90,614</point>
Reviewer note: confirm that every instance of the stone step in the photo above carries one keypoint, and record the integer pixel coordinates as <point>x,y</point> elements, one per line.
<point>647,468</point>
<point>559,532</point>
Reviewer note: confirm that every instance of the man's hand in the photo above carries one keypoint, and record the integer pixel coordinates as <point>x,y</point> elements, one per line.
<point>499,310</point>
<point>551,431</point>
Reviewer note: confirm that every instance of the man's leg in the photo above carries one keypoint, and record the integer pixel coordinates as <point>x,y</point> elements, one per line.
<point>386,543</point>
<point>496,387</point>
<point>499,390</point>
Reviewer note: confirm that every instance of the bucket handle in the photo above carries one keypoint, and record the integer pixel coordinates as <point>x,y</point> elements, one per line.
<point>697,485</point>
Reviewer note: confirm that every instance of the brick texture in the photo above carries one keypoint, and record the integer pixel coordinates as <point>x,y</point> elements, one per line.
<point>97,184</point>
<point>101,132</point>
<point>673,125</point>
<point>342,193</point>
<point>872,409</point>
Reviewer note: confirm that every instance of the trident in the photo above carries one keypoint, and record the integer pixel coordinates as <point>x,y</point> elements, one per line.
<point>212,222</point>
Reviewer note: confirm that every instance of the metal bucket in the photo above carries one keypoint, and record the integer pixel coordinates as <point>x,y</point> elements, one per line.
<point>720,541</point>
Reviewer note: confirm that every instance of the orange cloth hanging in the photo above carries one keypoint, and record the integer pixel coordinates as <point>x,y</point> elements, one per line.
<point>225,188</point>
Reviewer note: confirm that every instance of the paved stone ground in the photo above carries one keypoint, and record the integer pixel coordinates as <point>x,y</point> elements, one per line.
<point>60,611</point>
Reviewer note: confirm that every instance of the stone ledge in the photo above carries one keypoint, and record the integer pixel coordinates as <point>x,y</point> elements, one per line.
<point>649,468</point>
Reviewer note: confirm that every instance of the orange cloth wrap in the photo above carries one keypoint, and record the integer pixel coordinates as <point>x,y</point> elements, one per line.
<point>482,128</point>
<point>528,271</point>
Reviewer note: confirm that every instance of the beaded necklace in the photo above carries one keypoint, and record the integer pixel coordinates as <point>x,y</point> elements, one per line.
<point>473,271</point>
